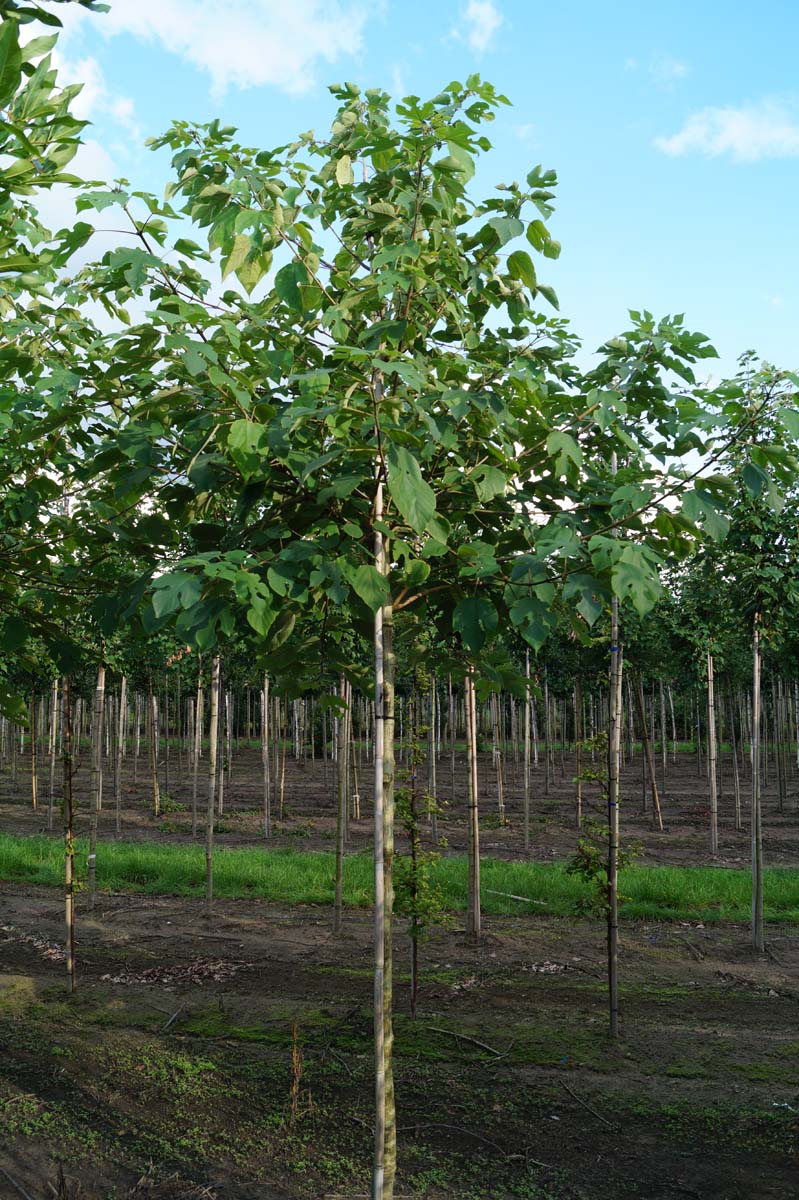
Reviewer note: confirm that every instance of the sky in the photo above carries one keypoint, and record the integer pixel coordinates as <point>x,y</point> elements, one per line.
<point>673,127</point>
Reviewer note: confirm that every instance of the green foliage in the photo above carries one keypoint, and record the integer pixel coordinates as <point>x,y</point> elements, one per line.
<point>307,877</point>
<point>590,863</point>
<point>590,858</point>
<point>377,324</point>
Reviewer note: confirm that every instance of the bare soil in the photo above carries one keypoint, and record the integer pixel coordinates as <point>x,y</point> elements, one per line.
<point>305,818</point>
<point>231,1057</point>
<point>175,1057</point>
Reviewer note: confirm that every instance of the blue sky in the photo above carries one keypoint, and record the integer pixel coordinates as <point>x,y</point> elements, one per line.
<point>673,127</point>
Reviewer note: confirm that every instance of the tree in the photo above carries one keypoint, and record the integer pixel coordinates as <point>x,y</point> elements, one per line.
<point>387,423</point>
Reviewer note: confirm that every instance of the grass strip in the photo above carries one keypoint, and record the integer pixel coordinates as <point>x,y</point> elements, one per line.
<point>307,877</point>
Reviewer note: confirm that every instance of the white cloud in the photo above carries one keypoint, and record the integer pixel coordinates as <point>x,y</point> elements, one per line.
<point>247,43</point>
<point>96,100</point>
<point>524,132</point>
<point>777,302</point>
<point>666,71</point>
<point>398,88</point>
<point>766,129</point>
<point>480,20</point>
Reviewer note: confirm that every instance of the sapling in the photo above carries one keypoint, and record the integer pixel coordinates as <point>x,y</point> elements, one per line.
<point>415,894</point>
<point>599,857</point>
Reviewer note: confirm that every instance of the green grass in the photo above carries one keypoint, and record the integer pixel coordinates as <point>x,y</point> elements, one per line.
<point>306,877</point>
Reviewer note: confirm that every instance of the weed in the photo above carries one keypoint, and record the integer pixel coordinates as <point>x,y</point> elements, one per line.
<point>290,876</point>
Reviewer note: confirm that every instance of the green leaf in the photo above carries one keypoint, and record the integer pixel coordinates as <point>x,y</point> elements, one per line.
<point>589,606</point>
<point>371,586</point>
<point>534,619</point>
<point>549,294</point>
<point>506,228</point>
<point>416,573</point>
<point>10,60</point>
<point>238,255</point>
<point>475,619</point>
<point>562,447</point>
<point>790,419</point>
<point>13,633</point>
<point>194,360</point>
<point>755,480</point>
<point>252,271</point>
<point>244,443</point>
<point>412,495</point>
<point>520,266</point>
<point>345,175</point>
<point>592,595</point>
<point>99,200</point>
<point>459,161</point>
<point>260,615</point>
<point>287,284</point>
<point>177,590</point>
<point>282,628</point>
<point>699,505</point>
<point>440,531</point>
<point>488,482</point>
<point>12,705</point>
<point>38,46</point>
<point>634,578</point>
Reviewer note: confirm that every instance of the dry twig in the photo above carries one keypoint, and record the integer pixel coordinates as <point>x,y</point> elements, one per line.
<point>588,1107</point>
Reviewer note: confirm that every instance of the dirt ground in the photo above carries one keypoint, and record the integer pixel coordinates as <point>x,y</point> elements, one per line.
<point>306,817</point>
<point>231,1058</point>
<point>174,1061</point>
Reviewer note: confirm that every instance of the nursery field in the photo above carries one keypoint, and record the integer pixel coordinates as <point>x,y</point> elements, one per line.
<point>230,1055</point>
<point>399,687</point>
<point>232,1058</point>
<point>306,818</point>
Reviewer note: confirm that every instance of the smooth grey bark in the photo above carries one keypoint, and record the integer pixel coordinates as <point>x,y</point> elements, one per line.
<point>615,705</point>
<point>69,841</point>
<point>711,757</point>
<point>265,755</point>
<point>96,774</point>
<point>120,749</point>
<point>385,1156</point>
<point>199,717</point>
<point>54,727</point>
<point>527,715</point>
<point>342,776</point>
<point>758,927</point>
<point>474,913</point>
<point>213,738</point>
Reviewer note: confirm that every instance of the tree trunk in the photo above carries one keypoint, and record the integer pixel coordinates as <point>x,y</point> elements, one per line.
<point>614,767</point>
<point>52,752</point>
<point>213,738</point>
<point>342,776</point>
<point>474,914</point>
<point>154,751</point>
<point>265,755</point>
<point>649,757</point>
<point>711,758</point>
<point>527,751</point>
<point>69,842</point>
<point>578,735</point>
<point>123,704</point>
<point>758,930</point>
<point>96,770</point>
<point>498,757</point>
<point>736,778</point>
<point>199,717</point>
<point>385,1118</point>
<point>431,760</point>
<point>34,772</point>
